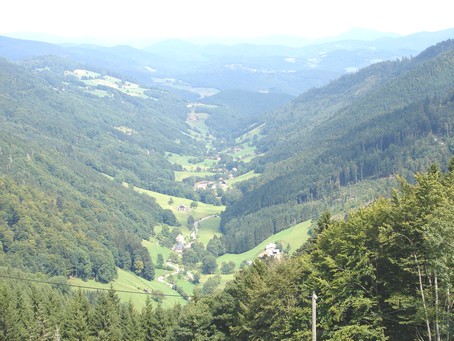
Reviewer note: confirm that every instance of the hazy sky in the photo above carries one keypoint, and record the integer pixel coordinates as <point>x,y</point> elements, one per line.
<point>133,20</point>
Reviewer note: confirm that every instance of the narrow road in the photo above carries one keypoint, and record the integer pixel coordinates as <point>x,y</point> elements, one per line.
<point>196,226</point>
<point>163,278</point>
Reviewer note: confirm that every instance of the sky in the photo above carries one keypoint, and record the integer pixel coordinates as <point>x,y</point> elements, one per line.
<point>130,21</point>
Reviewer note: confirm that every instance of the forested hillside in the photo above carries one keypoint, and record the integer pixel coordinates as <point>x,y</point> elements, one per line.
<point>390,118</point>
<point>233,112</point>
<point>59,139</point>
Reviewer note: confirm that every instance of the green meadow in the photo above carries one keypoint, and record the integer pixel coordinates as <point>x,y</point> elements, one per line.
<point>183,160</point>
<point>294,236</point>
<point>154,249</point>
<point>135,287</point>
<point>250,134</point>
<point>202,210</point>
<point>243,177</point>
<point>208,228</point>
<point>181,175</point>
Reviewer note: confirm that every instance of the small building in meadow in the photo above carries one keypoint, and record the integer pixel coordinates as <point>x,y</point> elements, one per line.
<point>271,251</point>
<point>180,245</point>
<point>182,208</point>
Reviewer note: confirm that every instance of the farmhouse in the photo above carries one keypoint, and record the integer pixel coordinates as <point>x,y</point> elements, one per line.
<point>271,251</point>
<point>204,185</point>
<point>180,245</point>
<point>182,208</point>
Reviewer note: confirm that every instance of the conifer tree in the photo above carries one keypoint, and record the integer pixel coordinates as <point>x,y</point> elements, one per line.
<point>147,320</point>
<point>76,324</point>
<point>41,327</point>
<point>16,314</point>
<point>105,322</point>
<point>130,322</point>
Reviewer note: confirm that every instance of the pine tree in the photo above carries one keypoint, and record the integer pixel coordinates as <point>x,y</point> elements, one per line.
<point>105,322</point>
<point>76,324</point>
<point>130,322</point>
<point>161,323</point>
<point>15,314</point>
<point>147,320</point>
<point>41,326</point>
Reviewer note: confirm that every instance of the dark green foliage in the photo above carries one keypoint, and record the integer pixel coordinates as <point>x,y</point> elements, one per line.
<point>106,317</point>
<point>209,264</point>
<point>130,322</point>
<point>227,268</point>
<point>160,261</point>
<point>236,110</point>
<point>382,274</point>
<point>41,236</point>
<point>155,322</point>
<point>189,258</point>
<point>168,217</point>
<point>196,278</point>
<point>243,233</point>
<point>210,285</point>
<point>230,196</point>
<point>216,246</point>
<point>76,322</point>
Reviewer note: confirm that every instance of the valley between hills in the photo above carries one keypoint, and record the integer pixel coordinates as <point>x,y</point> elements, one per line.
<point>185,192</point>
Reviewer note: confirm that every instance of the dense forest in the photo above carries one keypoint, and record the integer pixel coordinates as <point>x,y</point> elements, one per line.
<point>384,272</point>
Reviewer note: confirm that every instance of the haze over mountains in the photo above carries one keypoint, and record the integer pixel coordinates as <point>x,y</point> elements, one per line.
<point>285,40</point>
<point>273,68</point>
<point>255,138</point>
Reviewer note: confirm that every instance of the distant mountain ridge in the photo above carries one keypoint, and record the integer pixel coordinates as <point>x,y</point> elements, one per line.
<point>249,67</point>
<point>281,39</point>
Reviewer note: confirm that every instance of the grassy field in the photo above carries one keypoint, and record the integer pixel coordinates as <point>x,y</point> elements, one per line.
<point>208,228</point>
<point>244,177</point>
<point>202,210</point>
<point>127,281</point>
<point>94,79</point>
<point>180,175</point>
<point>250,134</point>
<point>188,287</point>
<point>246,154</point>
<point>183,160</point>
<point>154,249</point>
<point>295,236</point>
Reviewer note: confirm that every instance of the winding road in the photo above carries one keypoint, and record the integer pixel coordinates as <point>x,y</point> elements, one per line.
<point>163,278</point>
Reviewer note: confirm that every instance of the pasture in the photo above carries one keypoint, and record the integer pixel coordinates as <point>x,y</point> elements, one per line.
<point>134,287</point>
